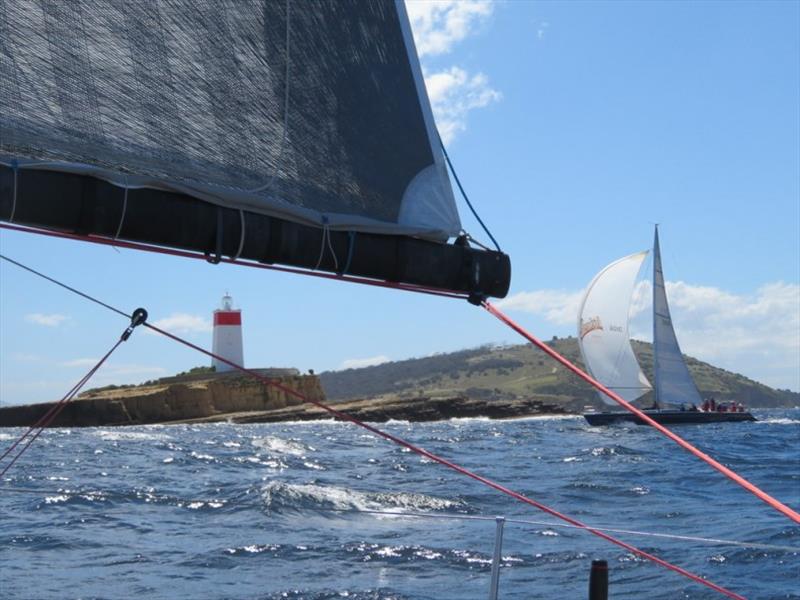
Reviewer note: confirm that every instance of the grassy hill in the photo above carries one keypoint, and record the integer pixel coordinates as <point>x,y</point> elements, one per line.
<point>525,372</point>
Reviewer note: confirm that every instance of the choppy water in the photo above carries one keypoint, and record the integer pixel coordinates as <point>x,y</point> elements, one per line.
<point>247,511</point>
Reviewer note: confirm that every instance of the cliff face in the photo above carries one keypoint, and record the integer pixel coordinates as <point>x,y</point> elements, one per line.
<point>198,399</point>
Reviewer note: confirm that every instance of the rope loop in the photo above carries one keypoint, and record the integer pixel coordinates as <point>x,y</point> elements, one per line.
<point>351,244</point>
<point>15,170</point>
<point>217,258</point>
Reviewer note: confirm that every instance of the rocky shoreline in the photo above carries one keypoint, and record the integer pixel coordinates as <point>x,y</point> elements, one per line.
<point>241,399</point>
<point>421,409</point>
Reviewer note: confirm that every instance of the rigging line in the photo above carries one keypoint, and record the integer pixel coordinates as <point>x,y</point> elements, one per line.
<point>446,516</point>
<point>689,538</point>
<point>15,169</point>
<point>43,419</point>
<point>463,471</point>
<point>242,263</point>
<point>466,198</point>
<point>139,317</point>
<point>422,452</point>
<point>732,475</point>
<point>58,408</point>
<point>65,286</point>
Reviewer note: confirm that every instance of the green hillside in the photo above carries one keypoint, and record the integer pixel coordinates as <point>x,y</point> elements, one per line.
<point>523,371</point>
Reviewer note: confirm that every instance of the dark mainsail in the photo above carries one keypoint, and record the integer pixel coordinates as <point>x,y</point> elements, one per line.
<point>249,128</point>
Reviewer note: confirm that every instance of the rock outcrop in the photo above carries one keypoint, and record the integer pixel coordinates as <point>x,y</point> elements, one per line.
<point>209,398</point>
<point>406,409</point>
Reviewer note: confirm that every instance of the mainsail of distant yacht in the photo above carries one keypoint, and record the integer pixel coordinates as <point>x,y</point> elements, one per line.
<point>605,344</point>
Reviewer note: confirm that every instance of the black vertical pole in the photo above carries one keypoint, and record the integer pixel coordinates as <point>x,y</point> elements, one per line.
<point>598,580</point>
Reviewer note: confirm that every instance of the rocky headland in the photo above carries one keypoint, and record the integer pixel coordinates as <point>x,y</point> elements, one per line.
<point>197,397</point>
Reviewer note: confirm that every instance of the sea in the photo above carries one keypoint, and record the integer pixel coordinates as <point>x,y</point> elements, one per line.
<point>326,510</point>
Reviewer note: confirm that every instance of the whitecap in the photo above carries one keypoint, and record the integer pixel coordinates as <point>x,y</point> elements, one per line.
<point>130,436</point>
<point>56,499</point>
<point>199,456</point>
<point>280,445</point>
<point>778,421</point>
<point>277,494</point>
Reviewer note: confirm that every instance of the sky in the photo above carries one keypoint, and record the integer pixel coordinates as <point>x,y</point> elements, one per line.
<point>574,126</point>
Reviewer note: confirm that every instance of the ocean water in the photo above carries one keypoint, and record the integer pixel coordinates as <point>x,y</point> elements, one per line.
<point>278,511</point>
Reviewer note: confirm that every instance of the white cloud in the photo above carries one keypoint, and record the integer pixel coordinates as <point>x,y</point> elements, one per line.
<point>79,362</point>
<point>53,320</point>
<point>453,94</point>
<point>438,25</point>
<point>756,334</point>
<point>25,357</point>
<point>131,370</point>
<point>359,363</point>
<point>556,306</point>
<point>541,29</point>
<point>183,323</point>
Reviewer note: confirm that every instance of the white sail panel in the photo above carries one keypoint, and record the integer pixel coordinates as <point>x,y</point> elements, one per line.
<point>603,329</point>
<point>674,383</point>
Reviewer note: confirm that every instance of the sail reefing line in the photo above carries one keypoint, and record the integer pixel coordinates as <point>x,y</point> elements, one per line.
<point>393,438</point>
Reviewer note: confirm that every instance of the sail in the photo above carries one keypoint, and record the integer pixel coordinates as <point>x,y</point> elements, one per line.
<point>673,383</point>
<point>603,329</point>
<point>117,115</point>
<point>282,107</point>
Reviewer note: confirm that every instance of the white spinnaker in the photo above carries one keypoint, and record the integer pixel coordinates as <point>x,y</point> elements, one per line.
<point>603,329</point>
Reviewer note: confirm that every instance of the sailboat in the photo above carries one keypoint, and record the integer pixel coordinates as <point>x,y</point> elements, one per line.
<point>604,341</point>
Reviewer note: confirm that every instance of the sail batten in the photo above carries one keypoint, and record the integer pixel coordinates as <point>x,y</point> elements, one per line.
<point>603,329</point>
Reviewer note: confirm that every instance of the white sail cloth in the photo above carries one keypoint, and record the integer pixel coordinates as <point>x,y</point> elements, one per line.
<point>674,383</point>
<point>603,329</point>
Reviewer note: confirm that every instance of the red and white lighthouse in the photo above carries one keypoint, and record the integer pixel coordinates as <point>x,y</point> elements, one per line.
<point>227,335</point>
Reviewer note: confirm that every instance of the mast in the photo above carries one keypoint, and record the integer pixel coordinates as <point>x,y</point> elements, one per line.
<point>656,270</point>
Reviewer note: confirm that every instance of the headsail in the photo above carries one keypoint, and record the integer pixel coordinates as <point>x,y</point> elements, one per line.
<point>603,329</point>
<point>674,384</point>
<point>228,120</point>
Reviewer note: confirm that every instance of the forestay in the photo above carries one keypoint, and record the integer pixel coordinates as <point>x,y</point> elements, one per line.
<point>603,329</point>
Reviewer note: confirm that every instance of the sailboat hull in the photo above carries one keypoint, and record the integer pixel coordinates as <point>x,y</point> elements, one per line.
<point>668,417</point>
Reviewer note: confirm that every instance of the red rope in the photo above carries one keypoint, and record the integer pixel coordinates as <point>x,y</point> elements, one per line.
<point>52,413</point>
<point>104,241</point>
<point>454,467</point>
<point>756,491</point>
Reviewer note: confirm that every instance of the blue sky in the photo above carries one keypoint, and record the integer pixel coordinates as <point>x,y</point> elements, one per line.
<point>574,127</point>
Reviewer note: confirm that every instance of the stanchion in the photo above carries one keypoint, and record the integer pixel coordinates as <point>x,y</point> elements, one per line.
<point>497,557</point>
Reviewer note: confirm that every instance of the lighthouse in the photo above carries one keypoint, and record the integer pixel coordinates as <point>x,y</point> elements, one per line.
<point>227,335</point>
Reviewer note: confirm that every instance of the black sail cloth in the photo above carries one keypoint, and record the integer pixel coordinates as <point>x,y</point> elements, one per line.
<point>294,118</point>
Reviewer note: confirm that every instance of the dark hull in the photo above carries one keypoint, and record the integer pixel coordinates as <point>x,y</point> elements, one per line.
<point>668,417</point>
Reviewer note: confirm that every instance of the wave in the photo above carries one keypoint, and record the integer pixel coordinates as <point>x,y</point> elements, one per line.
<point>778,421</point>
<point>281,446</point>
<point>130,436</point>
<point>278,495</point>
